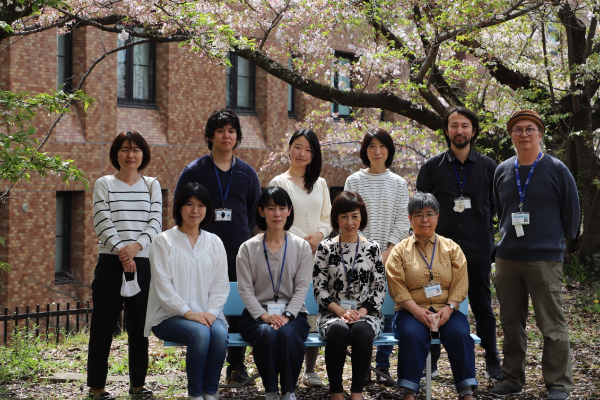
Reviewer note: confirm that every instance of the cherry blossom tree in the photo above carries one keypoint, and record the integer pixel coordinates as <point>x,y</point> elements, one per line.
<point>413,59</point>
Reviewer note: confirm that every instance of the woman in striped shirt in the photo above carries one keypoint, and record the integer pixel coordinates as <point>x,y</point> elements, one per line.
<point>386,197</point>
<point>127,216</point>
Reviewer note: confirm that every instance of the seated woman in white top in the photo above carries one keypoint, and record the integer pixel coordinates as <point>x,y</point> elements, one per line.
<point>189,288</point>
<point>312,206</point>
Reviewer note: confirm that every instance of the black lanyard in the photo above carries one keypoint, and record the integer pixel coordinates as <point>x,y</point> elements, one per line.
<point>461,184</point>
<point>349,277</point>
<point>432,255</point>
<point>223,198</point>
<point>276,296</point>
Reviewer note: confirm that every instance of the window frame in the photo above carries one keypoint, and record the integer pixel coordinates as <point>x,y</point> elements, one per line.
<point>68,62</point>
<point>233,87</point>
<point>64,275</point>
<point>128,100</point>
<point>336,82</point>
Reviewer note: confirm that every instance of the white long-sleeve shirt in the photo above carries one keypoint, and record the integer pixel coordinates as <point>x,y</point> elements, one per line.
<point>386,198</point>
<point>312,212</point>
<point>126,214</point>
<point>185,279</point>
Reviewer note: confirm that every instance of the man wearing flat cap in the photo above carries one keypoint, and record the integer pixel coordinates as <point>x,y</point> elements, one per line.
<point>538,206</point>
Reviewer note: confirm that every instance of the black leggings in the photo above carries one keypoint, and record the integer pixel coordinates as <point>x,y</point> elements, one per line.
<point>339,336</point>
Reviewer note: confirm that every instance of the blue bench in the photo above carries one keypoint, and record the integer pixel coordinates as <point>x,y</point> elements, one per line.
<point>235,307</point>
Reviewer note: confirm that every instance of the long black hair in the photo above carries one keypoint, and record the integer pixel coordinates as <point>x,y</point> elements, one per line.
<point>313,170</point>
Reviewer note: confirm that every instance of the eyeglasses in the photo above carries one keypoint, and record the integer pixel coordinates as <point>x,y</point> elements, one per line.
<point>528,131</point>
<point>427,216</point>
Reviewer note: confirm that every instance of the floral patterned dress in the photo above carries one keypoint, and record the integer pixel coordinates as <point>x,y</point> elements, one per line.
<point>367,281</point>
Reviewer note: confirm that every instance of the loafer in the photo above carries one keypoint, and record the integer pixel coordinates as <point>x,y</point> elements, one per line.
<point>381,380</point>
<point>494,373</point>
<point>140,392</point>
<point>555,394</point>
<point>504,390</point>
<point>434,373</point>
<point>103,396</point>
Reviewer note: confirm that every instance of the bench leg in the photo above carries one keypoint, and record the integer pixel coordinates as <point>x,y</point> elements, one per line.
<point>239,385</point>
<point>428,377</point>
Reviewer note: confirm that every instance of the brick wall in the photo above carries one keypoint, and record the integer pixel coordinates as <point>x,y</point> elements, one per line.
<point>188,89</point>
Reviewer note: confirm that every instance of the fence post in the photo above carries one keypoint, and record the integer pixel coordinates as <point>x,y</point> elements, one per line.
<point>77,319</point>
<point>47,320</point>
<point>5,324</point>
<point>68,308</point>
<point>27,321</point>
<point>57,330</point>
<point>16,320</point>
<point>87,314</point>
<point>37,321</point>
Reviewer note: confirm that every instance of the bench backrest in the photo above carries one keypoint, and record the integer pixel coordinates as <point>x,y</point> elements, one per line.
<point>234,305</point>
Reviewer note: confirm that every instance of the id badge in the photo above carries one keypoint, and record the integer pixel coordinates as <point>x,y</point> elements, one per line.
<point>462,203</point>
<point>275,307</point>
<point>348,304</point>
<point>520,218</point>
<point>432,290</point>
<point>222,214</point>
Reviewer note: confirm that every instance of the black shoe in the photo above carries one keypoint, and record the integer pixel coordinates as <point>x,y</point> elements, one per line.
<point>381,380</point>
<point>368,380</point>
<point>555,394</point>
<point>504,390</point>
<point>140,392</point>
<point>238,375</point>
<point>103,396</point>
<point>494,373</point>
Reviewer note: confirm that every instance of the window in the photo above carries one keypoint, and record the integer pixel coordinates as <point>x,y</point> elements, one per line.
<point>62,253</point>
<point>64,61</point>
<point>291,104</point>
<point>240,85</point>
<point>342,82</point>
<point>135,73</point>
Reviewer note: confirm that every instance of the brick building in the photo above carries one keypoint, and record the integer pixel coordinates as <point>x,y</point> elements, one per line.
<point>159,90</point>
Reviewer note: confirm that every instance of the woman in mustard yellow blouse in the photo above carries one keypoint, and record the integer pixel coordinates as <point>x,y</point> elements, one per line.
<point>427,278</point>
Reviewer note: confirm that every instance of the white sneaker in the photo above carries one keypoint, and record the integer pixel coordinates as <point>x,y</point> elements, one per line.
<point>311,379</point>
<point>210,396</point>
<point>289,396</point>
<point>272,396</point>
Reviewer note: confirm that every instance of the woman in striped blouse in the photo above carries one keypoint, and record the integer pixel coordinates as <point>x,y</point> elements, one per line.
<point>127,216</point>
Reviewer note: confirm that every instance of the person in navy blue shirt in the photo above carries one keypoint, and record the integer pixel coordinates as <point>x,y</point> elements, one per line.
<point>234,188</point>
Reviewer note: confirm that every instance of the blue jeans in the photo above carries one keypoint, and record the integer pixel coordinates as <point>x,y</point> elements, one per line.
<point>382,356</point>
<point>413,347</point>
<point>203,345</point>
<point>276,352</point>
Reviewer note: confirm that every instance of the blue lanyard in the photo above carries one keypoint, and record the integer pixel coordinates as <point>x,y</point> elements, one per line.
<point>424,259</point>
<point>276,296</point>
<point>461,184</point>
<point>522,192</point>
<point>349,277</point>
<point>223,198</point>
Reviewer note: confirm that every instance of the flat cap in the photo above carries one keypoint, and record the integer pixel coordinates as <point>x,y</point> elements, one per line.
<point>524,114</point>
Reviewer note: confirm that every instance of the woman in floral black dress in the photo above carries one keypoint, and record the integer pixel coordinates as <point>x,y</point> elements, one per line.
<point>349,291</point>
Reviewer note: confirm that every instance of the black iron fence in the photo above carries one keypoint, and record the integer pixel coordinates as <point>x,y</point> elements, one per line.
<point>57,321</point>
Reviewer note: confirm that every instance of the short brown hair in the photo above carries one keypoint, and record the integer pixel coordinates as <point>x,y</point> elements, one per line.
<point>347,202</point>
<point>130,136</point>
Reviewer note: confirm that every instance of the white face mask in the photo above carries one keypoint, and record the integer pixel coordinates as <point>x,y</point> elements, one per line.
<point>130,288</point>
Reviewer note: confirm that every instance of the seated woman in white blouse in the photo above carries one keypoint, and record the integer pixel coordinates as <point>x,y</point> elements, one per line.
<point>189,288</point>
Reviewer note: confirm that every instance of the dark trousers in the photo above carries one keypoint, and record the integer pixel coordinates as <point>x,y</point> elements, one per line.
<point>235,355</point>
<point>277,352</point>
<point>413,347</point>
<point>108,302</point>
<point>339,336</point>
<point>480,299</point>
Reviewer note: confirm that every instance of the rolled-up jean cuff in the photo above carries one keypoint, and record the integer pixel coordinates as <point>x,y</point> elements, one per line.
<point>411,385</point>
<point>467,382</point>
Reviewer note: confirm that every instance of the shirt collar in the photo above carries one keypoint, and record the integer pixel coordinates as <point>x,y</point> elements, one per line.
<point>430,240</point>
<point>452,156</point>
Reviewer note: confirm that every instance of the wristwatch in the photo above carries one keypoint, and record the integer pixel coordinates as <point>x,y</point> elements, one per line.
<point>288,315</point>
<point>451,306</point>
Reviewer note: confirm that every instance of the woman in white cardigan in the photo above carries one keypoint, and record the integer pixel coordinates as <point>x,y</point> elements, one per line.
<point>312,209</point>
<point>188,291</point>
